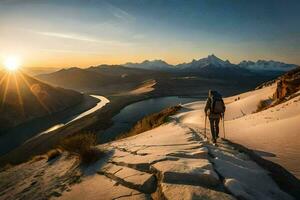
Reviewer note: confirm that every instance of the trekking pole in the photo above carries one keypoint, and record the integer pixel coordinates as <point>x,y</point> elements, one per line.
<point>224,127</point>
<point>205,126</point>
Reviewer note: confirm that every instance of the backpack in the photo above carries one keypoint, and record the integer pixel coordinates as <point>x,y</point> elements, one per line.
<point>217,103</point>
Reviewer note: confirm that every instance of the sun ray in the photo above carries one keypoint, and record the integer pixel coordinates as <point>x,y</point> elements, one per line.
<point>3,78</point>
<point>5,90</point>
<point>39,100</point>
<point>19,95</point>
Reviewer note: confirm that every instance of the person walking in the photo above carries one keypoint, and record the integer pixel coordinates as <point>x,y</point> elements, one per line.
<point>214,110</point>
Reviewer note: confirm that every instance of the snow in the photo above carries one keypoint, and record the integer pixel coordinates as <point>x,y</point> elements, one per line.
<point>204,62</point>
<point>262,65</point>
<point>272,133</point>
<point>247,102</point>
<point>173,161</point>
<point>185,164</point>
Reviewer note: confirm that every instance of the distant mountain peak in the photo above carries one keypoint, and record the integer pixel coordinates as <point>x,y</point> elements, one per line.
<point>150,64</point>
<point>212,61</point>
<point>209,61</point>
<point>266,65</point>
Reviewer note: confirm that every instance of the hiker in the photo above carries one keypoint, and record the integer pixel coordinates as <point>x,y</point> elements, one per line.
<point>214,109</point>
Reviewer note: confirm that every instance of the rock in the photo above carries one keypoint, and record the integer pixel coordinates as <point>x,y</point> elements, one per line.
<point>131,178</point>
<point>167,149</point>
<point>245,179</point>
<point>187,171</point>
<point>236,188</point>
<point>191,192</point>
<point>202,154</point>
<point>100,187</point>
<point>139,162</point>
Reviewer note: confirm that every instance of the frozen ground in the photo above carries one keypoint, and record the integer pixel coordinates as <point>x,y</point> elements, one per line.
<point>272,133</point>
<point>173,161</point>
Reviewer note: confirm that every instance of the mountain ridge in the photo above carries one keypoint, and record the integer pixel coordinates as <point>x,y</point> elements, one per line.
<point>212,60</point>
<point>27,98</point>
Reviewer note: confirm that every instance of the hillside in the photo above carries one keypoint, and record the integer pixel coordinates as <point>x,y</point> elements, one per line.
<point>176,160</point>
<point>104,79</point>
<point>271,131</point>
<point>191,79</point>
<point>172,161</point>
<point>24,98</point>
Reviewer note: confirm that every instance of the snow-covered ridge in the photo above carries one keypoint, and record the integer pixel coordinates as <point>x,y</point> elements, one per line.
<point>172,161</point>
<point>211,60</point>
<point>263,65</point>
<point>214,61</point>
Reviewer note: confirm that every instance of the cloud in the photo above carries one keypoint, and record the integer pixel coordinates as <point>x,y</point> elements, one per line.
<point>74,51</point>
<point>82,38</point>
<point>67,36</point>
<point>120,13</point>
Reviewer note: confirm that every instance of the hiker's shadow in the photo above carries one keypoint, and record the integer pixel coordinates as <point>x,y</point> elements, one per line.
<point>264,153</point>
<point>91,169</point>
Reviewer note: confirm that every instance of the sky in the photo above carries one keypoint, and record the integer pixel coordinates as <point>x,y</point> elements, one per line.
<point>67,33</point>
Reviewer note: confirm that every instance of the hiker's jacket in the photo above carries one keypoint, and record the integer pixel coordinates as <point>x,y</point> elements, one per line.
<point>208,111</point>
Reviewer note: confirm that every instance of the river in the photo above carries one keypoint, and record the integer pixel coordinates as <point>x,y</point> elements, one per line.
<point>132,113</point>
<point>18,136</point>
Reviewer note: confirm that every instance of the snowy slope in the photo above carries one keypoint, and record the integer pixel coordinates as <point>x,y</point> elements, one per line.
<point>274,132</point>
<point>172,161</point>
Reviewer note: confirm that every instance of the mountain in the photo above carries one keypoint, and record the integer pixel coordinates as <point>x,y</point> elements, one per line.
<point>152,65</point>
<point>24,98</point>
<point>77,78</point>
<point>102,79</point>
<point>210,66</point>
<point>263,66</point>
<point>209,61</point>
<point>214,66</point>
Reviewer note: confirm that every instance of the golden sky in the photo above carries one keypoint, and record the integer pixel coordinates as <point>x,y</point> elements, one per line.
<point>58,33</point>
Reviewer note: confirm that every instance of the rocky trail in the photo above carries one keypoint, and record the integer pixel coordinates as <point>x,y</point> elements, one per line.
<point>172,161</point>
<point>175,161</point>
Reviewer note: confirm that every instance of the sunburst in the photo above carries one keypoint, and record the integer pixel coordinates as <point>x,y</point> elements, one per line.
<point>14,77</point>
<point>12,63</point>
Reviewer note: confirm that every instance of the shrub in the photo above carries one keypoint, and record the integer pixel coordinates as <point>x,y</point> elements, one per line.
<point>53,153</point>
<point>83,145</point>
<point>263,104</point>
<point>151,121</point>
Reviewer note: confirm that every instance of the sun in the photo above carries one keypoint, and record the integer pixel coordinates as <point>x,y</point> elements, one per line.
<point>12,63</point>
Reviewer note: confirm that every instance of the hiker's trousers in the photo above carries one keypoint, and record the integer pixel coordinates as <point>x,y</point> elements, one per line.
<point>214,128</point>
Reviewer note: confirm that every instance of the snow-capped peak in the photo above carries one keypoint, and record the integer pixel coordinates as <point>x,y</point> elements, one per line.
<point>263,65</point>
<point>210,60</point>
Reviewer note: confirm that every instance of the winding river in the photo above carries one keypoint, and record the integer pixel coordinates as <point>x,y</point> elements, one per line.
<point>22,134</point>
<point>103,101</point>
